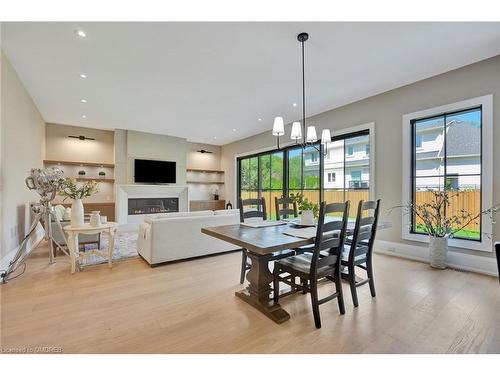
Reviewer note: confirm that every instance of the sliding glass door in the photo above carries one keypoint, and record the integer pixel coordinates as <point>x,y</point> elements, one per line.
<point>343,174</point>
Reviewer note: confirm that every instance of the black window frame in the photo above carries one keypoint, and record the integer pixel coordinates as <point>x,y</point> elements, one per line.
<point>414,177</point>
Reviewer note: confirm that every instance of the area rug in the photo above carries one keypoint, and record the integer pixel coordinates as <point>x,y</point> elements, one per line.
<point>125,247</point>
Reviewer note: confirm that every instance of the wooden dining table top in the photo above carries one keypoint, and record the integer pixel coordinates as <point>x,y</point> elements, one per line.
<point>264,240</point>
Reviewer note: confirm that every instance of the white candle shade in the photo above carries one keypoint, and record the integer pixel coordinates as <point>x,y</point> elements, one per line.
<point>296,131</point>
<point>279,126</point>
<point>325,136</point>
<point>311,134</point>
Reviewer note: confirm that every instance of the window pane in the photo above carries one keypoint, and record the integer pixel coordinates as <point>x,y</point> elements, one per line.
<point>429,155</point>
<point>311,169</point>
<point>463,143</point>
<point>465,200</point>
<point>245,174</point>
<point>265,172</point>
<point>423,194</point>
<point>334,166</point>
<point>295,169</point>
<point>253,173</point>
<point>277,171</point>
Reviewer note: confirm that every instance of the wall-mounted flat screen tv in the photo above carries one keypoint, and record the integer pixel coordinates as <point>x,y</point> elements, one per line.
<point>154,171</point>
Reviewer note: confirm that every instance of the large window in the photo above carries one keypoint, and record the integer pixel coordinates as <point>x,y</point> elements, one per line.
<point>450,148</point>
<point>344,174</point>
<point>447,156</point>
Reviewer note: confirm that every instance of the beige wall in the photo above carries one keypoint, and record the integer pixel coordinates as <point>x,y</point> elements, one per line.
<point>198,160</point>
<point>22,148</point>
<point>386,110</point>
<point>60,147</point>
<point>130,145</point>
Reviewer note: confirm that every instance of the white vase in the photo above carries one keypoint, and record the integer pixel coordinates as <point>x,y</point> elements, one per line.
<point>95,219</point>
<point>77,213</point>
<point>307,217</point>
<point>438,248</point>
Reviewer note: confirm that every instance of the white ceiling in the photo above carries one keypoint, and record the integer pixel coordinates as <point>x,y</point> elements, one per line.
<point>202,80</point>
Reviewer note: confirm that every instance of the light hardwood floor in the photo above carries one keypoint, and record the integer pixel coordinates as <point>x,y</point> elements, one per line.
<point>190,307</point>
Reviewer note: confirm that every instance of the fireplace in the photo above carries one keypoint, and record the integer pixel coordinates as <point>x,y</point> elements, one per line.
<point>144,206</point>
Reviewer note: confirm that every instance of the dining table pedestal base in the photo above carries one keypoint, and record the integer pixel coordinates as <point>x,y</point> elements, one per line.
<point>258,292</point>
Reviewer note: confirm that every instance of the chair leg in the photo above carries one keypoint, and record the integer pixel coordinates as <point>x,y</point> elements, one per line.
<point>314,303</point>
<point>338,287</point>
<point>352,282</point>
<point>371,282</point>
<point>304,285</point>
<point>276,284</point>
<point>243,265</point>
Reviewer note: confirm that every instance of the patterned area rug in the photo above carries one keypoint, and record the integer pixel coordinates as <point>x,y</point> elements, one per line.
<point>125,247</point>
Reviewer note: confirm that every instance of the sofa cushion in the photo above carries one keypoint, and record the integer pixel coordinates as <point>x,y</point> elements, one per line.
<point>169,215</point>
<point>234,211</point>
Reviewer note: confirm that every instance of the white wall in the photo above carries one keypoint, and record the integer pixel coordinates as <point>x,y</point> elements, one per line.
<point>386,110</point>
<point>22,148</point>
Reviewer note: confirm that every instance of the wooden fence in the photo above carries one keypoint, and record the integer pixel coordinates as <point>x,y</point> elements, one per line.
<point>470,201</point>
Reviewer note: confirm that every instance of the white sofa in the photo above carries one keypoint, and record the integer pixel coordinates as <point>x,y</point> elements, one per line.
<point>177,235</point>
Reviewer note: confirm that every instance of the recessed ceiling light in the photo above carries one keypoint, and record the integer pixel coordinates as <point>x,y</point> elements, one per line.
<point>215,137</point>
<point>83,100</point>
<point>83,75</point>
<point>259,119</point>
<point>294,104</point>
<point>81,33</point>
<point>234,130</point>
<point>84,116</point>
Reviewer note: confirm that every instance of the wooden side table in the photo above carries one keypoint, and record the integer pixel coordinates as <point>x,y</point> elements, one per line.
<point>74,251</point>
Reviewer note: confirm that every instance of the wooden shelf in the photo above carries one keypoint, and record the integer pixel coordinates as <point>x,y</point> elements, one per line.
<point>81,163</point>
<point>205,182</point>
<point>203,170</point>
<point>95,179</point>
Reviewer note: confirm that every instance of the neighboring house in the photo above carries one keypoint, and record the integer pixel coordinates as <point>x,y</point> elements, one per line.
<point>462,149</point>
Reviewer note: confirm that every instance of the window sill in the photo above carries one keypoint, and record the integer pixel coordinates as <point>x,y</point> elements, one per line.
<point>485,245</point>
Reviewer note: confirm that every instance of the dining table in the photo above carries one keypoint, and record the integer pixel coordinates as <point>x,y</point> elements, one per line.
<point>261,242</point>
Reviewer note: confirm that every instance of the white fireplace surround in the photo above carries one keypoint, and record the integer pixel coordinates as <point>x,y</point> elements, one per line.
<point>124,192</point>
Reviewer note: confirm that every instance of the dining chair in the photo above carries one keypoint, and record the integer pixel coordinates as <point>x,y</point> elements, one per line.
<point>285,210</point>
<point>260,211</point>
<point>330,239</point>
<point>358,249</point>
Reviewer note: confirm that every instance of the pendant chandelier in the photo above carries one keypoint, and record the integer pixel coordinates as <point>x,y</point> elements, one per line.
<point>298,130</point>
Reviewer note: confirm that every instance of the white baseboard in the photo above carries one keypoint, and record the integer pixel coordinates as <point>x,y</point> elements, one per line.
<point>467,262</point>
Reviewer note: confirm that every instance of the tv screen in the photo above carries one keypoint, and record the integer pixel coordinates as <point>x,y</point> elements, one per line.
<point>154,171</point>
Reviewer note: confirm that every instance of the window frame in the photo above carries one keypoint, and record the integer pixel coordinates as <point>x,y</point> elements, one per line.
<point>336,134</point>
<point>486,103</point>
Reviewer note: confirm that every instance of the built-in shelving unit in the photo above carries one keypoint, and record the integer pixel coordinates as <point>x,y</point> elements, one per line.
<point>98,179</point>
<point>80,163</point>
<point>206,182</point>
<point>203,170</point>
<point>205,185</point>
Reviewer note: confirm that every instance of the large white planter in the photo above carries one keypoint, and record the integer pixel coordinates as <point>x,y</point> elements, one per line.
<point>438,249</point>
<point>307,218</point>
<point>77,213</point>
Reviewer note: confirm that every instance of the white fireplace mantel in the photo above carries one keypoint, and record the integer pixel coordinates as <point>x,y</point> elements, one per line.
<point>124,192</point>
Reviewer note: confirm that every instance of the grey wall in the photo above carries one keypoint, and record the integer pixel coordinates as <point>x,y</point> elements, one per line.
<point>386,111</point>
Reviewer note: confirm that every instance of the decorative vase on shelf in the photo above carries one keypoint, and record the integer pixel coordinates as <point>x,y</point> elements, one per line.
<point>438,249</point>
<point>95,219</point>
<point>77,213</point>
<point>307,217</point>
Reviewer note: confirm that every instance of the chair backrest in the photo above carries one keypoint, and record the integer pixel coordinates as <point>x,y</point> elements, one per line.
<point>497,250</point>
<point>260,211</point>
<point>286,210</point>
<point>365,229</point>
<point>330,235</point>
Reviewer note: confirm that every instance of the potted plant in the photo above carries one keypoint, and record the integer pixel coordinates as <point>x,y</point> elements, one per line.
<point>308,210</point>
<point>440,227</point>
<point>70,189</point>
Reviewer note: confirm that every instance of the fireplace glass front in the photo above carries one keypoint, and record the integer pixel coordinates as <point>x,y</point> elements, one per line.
<point>144,206</point>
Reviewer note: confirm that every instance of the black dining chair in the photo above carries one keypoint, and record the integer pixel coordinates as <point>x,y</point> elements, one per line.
<point>256,208</point>
<point>324,262</point>
<point>285,210</point>
<point>358,249</point>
